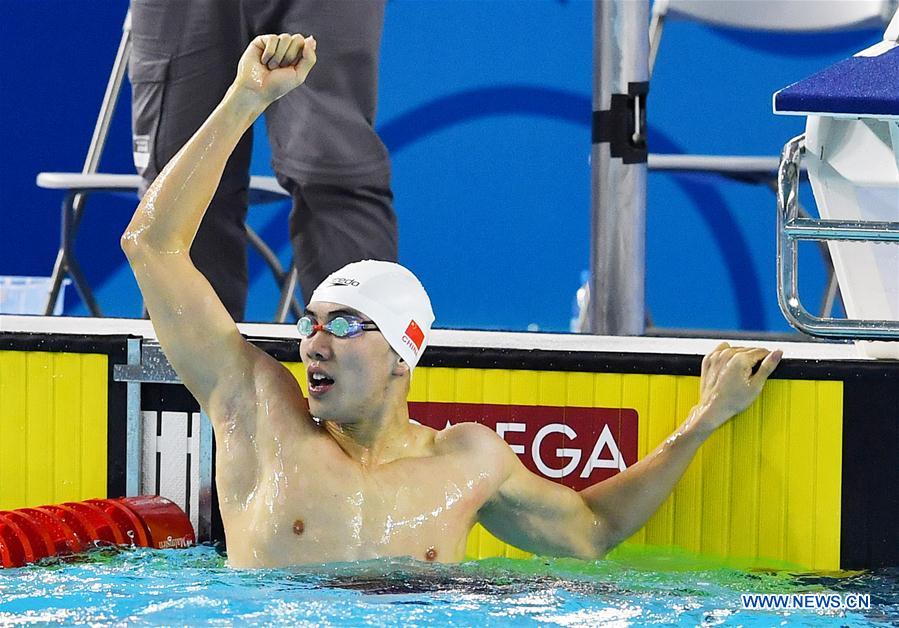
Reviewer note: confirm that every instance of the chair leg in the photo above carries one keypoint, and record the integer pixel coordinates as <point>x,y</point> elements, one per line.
<point>70,221</point>
<point>830,293</point>
<point>286,281</point>
<point>83,288</point>
<point>267,255</point>
<point>288,301</point>
<point>65,258</point>
<point>59,271</point>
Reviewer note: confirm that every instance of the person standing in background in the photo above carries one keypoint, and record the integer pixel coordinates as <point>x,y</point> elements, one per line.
<point>325,151</point>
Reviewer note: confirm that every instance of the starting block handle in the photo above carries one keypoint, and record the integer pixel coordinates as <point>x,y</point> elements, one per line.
<point>791,228</point>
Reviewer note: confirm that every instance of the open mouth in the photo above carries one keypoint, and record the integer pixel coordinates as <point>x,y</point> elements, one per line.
<point>319,383</point>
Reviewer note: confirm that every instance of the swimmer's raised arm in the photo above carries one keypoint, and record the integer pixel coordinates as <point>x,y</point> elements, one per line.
<point>537,515</point>
<point>194,328</point>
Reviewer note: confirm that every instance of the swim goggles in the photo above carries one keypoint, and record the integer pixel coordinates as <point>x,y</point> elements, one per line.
<point>340,326</point>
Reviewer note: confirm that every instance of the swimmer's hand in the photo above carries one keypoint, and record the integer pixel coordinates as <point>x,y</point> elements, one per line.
<point>273,65</point>
<point>732,378</point>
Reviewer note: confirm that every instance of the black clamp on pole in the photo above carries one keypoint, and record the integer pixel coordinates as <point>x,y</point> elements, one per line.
<point>623,125</point>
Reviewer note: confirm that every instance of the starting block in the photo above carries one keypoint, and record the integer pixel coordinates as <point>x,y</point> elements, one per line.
<point>851,151</point>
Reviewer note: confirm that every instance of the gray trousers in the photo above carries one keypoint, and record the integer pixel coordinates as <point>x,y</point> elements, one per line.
<point>325,151</point>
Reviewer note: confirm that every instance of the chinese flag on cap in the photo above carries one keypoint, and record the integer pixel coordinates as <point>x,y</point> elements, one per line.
<point>415,334</point>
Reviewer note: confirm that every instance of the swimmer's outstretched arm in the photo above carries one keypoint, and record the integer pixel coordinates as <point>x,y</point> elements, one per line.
<point>198,336</point>
<point>546,518</point>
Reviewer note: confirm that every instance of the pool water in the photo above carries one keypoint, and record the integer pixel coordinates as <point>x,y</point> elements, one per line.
<point>194,587</point>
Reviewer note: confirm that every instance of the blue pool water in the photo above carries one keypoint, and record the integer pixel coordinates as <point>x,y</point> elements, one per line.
<point>194,587</point>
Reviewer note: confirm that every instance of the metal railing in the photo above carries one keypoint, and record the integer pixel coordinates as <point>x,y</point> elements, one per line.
<point>792,228</point>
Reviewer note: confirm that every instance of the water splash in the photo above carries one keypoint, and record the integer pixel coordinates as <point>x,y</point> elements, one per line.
<point>193,586</point>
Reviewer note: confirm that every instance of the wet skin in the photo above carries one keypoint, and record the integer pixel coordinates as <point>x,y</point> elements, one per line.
<point>362,483</point>
<point>422,507</point>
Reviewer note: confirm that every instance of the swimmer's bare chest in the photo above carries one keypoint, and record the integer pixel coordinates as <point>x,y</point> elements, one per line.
<point>322,507</point>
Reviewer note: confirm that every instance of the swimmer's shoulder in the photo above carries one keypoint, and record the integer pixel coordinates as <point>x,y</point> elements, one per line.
<point>472,438</point>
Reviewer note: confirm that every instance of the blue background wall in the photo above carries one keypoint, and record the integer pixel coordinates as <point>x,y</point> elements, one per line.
<point>485,106</point>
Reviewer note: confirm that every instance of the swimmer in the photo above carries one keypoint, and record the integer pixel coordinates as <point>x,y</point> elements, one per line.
<point>345,475</point>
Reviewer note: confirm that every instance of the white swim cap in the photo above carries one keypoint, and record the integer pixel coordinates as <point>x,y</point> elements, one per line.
<point>388,294</point>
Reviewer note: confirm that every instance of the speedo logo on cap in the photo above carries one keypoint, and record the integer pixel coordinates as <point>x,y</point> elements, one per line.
<point>414,337</point>
<point>341,281</point>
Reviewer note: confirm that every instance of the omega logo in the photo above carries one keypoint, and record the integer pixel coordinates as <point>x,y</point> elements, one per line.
<point>577,446</point>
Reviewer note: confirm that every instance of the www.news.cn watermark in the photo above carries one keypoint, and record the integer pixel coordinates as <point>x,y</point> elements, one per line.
<point>810,601</point>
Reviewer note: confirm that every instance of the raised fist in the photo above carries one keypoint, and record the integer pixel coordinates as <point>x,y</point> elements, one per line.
<point>272,65</point>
